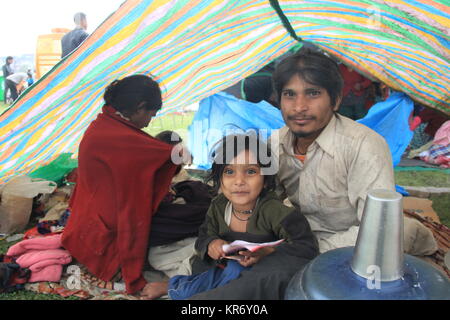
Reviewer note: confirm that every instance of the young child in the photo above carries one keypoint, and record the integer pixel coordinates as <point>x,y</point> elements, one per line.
<point>247,209</point>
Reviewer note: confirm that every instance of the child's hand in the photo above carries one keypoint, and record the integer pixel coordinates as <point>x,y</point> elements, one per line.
<point>251,258</point>
<point>215,250</point>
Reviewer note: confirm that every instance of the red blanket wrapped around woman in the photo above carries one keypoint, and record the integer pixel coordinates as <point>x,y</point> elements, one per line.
<point>123,175</point>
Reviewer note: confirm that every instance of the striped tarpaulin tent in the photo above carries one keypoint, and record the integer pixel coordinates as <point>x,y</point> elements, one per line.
<point>196,48</point>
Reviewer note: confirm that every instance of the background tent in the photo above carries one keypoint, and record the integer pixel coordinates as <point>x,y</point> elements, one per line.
<point>196,48</point>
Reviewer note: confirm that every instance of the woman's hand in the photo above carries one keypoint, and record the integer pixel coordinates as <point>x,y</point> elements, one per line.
<point>215,250</point>
<point>251,258</point>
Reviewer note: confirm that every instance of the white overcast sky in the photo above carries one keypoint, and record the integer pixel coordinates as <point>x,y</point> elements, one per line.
<point>23,20</point>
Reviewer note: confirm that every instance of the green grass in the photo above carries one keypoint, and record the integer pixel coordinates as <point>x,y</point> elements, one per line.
<point>174,122</point>
<point>4,246</point>
<point>3,107</point>
<point>423,179</point>
<point>441,204</point>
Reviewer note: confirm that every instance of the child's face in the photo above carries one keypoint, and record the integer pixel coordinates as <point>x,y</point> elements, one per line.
<point>242,181</point>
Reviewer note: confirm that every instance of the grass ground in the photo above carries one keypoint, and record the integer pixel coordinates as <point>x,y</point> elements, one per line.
<point>422,178</point>
<point>3,106</point>
<point>180,122</point>
<point>439,179</point>
<point>175,122</point>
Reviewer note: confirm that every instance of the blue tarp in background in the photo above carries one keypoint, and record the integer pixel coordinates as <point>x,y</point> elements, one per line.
<point>221,114</point>
<point>390,119</point>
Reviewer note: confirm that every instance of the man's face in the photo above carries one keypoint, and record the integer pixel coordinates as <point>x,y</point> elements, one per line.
<point>10,61</point>
<point>306,108</point>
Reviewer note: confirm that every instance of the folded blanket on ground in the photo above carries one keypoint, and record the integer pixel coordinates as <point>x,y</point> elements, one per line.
<point>44,243</point>
<point>43,256</point>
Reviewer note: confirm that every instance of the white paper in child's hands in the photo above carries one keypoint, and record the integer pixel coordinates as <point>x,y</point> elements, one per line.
<point>251,246</point>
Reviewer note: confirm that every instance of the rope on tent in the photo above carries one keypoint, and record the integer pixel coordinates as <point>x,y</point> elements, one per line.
<point>284,20</point>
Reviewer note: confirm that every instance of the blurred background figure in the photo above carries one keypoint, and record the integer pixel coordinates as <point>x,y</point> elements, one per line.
<point>16,83</point>
<point>7,71</point>
<point>74,38</point>
<point>30,79</point>
<point>353,103</point>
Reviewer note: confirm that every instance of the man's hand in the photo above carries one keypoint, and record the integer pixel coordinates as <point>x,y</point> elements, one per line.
<point>215,250</point>
<point>251,258</point>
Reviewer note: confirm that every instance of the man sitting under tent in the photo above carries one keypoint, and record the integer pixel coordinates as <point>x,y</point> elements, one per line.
<point>328,163</point>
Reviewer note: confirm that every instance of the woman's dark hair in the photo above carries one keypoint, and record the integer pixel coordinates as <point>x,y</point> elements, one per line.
<point>230,147</point>
<point>127,95</point>
<point>312,67</point>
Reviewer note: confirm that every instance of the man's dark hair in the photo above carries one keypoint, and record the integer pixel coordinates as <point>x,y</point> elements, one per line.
<point>9,58</point>
<point>230,147</point>
<point>127,94</point>
<point>312,67</point>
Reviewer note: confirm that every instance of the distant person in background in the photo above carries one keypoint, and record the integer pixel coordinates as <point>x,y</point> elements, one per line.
<point>74,38</point>
<point>7,71</point>
<point>434,120</point>
<point>353,103</point>
<point>16,83</point>
<point>30,79</point>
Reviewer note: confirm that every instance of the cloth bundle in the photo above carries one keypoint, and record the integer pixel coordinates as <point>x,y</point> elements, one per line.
<point>439,152</point>
<point>12,276</point>
<point>43,256</point>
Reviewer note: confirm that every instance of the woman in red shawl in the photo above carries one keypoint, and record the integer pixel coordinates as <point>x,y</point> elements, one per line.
<point>123,175</point>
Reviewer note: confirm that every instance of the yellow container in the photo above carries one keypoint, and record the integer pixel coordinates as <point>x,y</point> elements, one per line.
<point>48,51</point>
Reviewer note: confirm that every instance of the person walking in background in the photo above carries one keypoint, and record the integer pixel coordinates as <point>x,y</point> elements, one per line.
<point>30,79</point>
<point>7,71</point>
<point>74,38</point>
<point>16,83</point>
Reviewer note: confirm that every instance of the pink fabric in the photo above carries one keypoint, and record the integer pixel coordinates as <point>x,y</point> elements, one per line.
<point>442,136</point>
<point>51,273</point>
<point>53,242</point>
<point>42,256</point>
